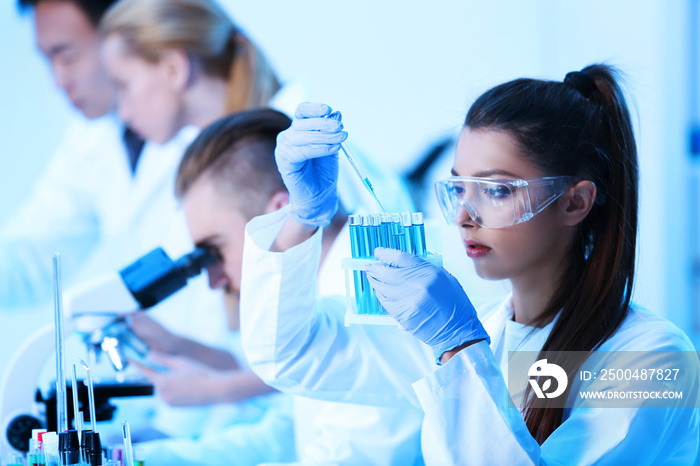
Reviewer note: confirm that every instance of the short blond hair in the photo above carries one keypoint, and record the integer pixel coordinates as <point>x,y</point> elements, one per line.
<point>237,153</point>
<point>203,30</point>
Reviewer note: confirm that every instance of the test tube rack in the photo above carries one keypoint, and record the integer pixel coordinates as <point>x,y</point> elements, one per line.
<point>403,231</point>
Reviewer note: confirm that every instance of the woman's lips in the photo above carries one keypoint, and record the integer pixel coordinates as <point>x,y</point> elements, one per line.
<point>476,250</point>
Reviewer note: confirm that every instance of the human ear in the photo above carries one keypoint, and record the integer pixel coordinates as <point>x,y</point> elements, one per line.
<point>278,200</point>
<point>577,202</point>
<point>177,68</point>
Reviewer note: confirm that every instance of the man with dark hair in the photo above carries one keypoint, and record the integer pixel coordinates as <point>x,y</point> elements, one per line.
<point>66,34</point>
<point>93,9</point>
<point>104,200</point>
<point>226,177</point>
<point>81,201</point>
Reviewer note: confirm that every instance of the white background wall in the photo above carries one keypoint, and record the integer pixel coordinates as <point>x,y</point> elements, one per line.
<point>404,73</point>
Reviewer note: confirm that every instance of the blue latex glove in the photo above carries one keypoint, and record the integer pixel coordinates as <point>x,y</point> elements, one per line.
<point>425,299</point>
<point>307,158</point>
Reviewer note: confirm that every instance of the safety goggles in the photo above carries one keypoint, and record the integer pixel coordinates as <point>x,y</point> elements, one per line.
<point>498,203</point>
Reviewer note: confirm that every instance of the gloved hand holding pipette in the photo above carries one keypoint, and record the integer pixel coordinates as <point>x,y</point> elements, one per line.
<point>425,299</point>
<point>307,158</point>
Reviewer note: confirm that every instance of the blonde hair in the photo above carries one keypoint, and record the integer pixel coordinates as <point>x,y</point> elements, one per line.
<point>204,31</point>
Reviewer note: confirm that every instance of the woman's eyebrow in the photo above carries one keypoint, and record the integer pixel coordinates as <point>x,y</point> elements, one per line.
<point>488,173</point>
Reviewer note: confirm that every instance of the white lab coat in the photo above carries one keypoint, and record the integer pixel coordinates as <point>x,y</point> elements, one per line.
<point>588,435</point>
<point>328,432</point>
<point>89,207</point>
<point>285,343</point>
<point>467,419</point>
<point>86,180</point>
<point>265,434</point>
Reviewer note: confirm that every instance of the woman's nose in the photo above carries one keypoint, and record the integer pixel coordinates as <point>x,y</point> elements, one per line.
<point>464,217</point>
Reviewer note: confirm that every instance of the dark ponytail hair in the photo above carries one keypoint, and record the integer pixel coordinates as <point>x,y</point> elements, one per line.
<point>580,127</point>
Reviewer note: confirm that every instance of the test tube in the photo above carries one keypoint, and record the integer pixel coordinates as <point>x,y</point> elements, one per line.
<point>128,450</point>
<point>418,229</point>
<point>355,221</point>
<point>397,232</point>
<point>366,240</point>
<point>91,394</point>
<point>50,447</point>
<point>76,412</point>
<point>61,404</point>
<point>35,456</point>
<point>375,226</point>
<point>407,232</point>
<point>386,238</point>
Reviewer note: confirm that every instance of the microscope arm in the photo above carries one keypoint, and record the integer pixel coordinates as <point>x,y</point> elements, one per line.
<point>17,391</point>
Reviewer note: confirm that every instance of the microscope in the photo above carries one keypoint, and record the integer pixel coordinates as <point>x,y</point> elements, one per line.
<point>95,311</point>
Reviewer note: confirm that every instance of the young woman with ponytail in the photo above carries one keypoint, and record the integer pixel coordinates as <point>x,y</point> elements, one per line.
<point>545,194</point>
<point>181,62</point>
<point>570,260</point>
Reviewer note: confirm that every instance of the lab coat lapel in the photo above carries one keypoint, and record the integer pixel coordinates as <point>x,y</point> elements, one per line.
<point>495,322</point>
<point>158,166</point>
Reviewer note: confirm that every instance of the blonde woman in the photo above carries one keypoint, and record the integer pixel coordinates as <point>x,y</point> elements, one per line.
<point>179,65</point>
<point>181,62</point>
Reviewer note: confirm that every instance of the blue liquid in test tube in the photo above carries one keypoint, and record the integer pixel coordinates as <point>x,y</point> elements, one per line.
<point>357,251</point>
<point>398,238</point>
<point>408,232</point>
<point>418,229</point>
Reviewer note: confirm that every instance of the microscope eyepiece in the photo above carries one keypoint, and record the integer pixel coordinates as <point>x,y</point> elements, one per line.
<point>155,276</point>
<point>192,264</point>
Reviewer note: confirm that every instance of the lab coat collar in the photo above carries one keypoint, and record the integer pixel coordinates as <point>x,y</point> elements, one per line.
<point>495,321</point>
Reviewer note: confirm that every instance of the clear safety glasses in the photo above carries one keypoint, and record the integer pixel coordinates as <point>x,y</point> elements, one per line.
<point>498,203</point>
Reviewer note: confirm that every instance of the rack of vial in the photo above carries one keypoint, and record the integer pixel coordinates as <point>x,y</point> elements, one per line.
<point>403,231</point>
<point>63,449</point>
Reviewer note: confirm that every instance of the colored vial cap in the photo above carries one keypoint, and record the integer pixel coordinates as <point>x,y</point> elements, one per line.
<point>117,453</point>
<point>41,436</point>
<point>36,433</point>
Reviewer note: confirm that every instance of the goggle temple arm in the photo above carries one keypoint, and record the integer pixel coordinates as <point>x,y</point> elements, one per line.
<point>544,191</point>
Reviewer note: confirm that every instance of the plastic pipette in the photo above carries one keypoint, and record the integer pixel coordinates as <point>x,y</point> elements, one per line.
<point>76,416</point>
<point>360,173</point>
<point>91,394</point>
<point>128,451</point>
<point>61,405</point>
